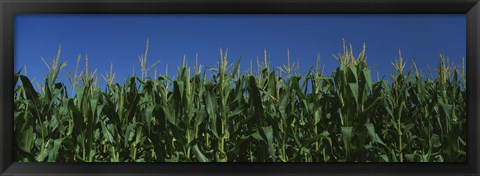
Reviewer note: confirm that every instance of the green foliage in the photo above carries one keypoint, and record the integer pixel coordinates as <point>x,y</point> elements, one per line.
<point>230,117</point>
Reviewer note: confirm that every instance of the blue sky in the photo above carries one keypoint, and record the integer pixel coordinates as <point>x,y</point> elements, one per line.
<point>120,39</point>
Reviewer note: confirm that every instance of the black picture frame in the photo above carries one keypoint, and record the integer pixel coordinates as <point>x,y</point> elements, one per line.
<point>9,8</point>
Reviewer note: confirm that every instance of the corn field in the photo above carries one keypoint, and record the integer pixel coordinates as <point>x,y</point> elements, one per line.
<point>273,115</point>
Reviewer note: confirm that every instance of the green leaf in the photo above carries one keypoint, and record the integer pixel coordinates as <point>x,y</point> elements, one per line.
<point>354,91</point>
<point>52,154</point>
<point>170,118</point>
<point>30,92</point>
<point>373,135</point>
<point>268,134</point>
<point>347,138</point>
<point>199,155</point>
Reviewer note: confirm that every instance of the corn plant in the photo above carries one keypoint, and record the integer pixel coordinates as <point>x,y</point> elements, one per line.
<point>273,115</point>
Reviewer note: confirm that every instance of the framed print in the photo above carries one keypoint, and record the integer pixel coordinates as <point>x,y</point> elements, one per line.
<point>263,87</point>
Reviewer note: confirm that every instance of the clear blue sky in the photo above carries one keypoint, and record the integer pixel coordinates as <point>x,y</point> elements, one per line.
<point>120,39</point>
